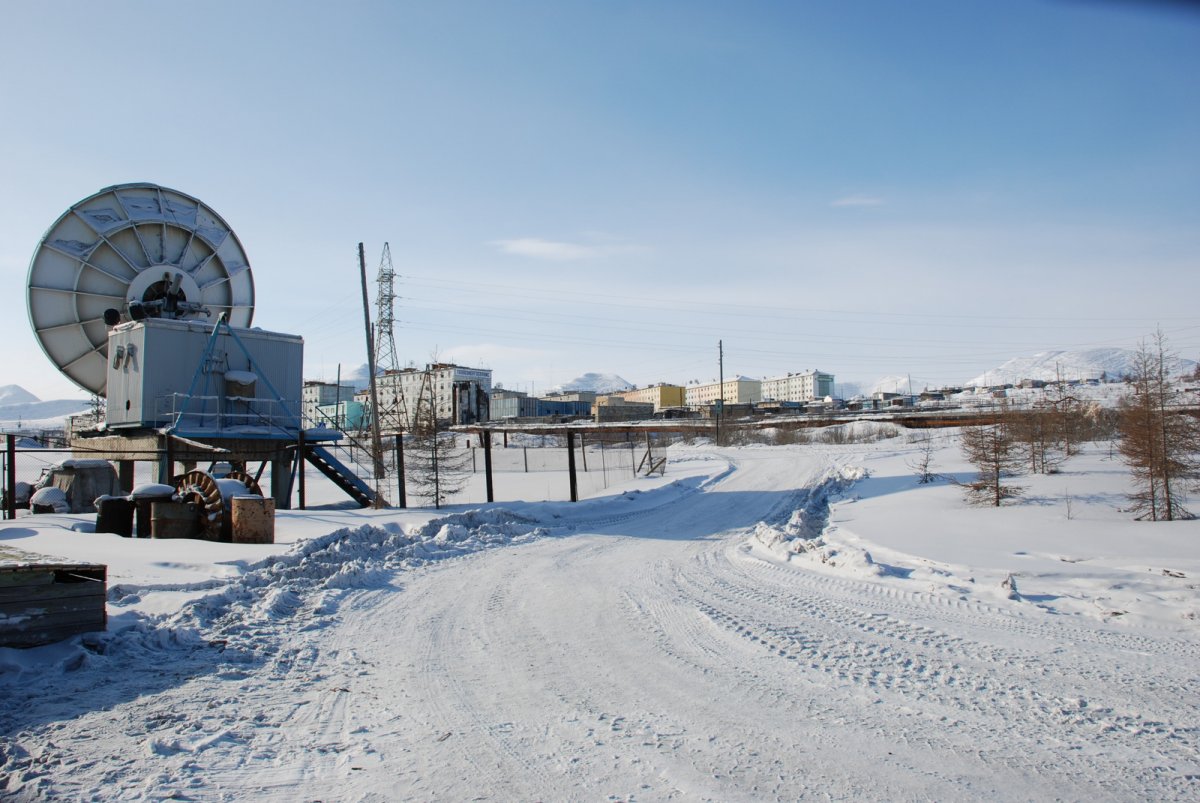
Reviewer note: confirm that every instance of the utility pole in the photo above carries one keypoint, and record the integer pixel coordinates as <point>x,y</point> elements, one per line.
<point>720,386</point>
<point>376,444</point>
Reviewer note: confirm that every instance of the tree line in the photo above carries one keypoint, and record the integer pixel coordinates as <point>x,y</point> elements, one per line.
<point>1156,427</point>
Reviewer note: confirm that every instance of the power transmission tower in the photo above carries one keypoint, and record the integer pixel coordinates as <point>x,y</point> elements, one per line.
<point>386,360</point>
<point>385,339</point>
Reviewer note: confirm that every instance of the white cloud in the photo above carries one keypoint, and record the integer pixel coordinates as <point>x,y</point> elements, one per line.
<point>546,249</point>
<point>859,200</point>
<point>594,244</point>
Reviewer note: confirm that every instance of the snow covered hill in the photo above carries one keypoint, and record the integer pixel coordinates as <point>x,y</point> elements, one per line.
<point>595,382</point>
<point>15,394</point>
<point>20,409</point>
<point>1048,365</point>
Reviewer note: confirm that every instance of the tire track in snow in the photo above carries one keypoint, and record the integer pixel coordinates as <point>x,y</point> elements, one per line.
<point>972,682</point>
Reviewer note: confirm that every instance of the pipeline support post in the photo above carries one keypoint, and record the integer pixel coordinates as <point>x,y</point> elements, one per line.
<point>10,477</point>
<point>487,464</point>
<point>302,458</point>
<point>571,466</point>
<point>400,489</point>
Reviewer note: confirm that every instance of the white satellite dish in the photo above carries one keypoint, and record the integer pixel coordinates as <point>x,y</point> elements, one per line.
<point>142,250</point>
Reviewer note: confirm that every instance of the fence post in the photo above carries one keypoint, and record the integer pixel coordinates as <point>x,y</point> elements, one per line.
<point>525,453</point>
<point>400,470</point>
<point>583,450</point>
<point>10,481</point>
<point>571,466</point>
<point>487,464</point>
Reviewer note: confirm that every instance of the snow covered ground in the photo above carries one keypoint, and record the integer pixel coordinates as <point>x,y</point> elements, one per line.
<point>761,623</point>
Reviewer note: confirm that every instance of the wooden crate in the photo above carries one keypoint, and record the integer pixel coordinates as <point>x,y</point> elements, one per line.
<point>45,599</point>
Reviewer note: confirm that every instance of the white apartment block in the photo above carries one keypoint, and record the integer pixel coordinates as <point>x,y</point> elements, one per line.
<point>801,387</point>
<point>316,394</point>
<point>459,394</point>
<point>742,390</point>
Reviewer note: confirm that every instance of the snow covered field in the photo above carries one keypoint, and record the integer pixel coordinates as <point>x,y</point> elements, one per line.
<point>761,623</point>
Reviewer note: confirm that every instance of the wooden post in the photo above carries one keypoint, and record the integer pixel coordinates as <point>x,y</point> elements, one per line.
<point>487,465</point>
<point>400,470</point>
<point>10,480</point>
<point>571,466</point>
<point>583,450</point>
<point>525,454</point>
<point>300,455</point>
<point>506,439</point>
<point>376,444</point>
<point>603,465</point>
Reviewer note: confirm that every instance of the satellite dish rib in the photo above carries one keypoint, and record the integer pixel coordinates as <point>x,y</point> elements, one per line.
<point>143,245</point>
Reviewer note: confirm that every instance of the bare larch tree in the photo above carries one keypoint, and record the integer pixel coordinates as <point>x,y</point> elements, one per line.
<point>1160,436</point>
<point>997,455</point>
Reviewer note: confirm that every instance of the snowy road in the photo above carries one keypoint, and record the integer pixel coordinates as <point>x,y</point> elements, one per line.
<point>646,655</point>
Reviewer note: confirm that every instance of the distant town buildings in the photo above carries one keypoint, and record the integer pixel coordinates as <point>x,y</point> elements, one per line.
<point>314,395</point>
<point>459,395</point>
<point>463,395</point>
<point>741,390</point>
<point>513,404</point>
<point>660,395</point>
<point>801,387</point>
<point>618,408</point>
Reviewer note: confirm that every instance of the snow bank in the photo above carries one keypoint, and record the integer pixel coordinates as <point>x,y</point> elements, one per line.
<point>801,536</point>
<point>305,584</point>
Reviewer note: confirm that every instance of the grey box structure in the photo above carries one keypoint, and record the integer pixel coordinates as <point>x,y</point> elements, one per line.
<point>164,372</point>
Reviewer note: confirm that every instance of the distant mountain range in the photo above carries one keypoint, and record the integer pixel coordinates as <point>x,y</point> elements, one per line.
<point>1111,363</point>
<point>21,409</point>
<point>598,383</point>
<point>15,394</point>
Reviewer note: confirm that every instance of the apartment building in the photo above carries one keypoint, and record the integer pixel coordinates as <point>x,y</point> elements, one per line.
<point>316,394</point>
<point>799,387</point>
<point>741,390</point>
<point>459,394</point>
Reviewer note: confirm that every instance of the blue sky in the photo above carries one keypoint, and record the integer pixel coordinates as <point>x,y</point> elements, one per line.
<point>868,188</point>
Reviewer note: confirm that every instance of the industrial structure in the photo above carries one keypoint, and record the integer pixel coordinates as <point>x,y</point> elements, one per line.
<point>507,405</point>
<point>144,295</point>
<point>661,396</point>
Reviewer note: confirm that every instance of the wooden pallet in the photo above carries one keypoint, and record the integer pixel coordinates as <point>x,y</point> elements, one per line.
<point>45,599</point>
